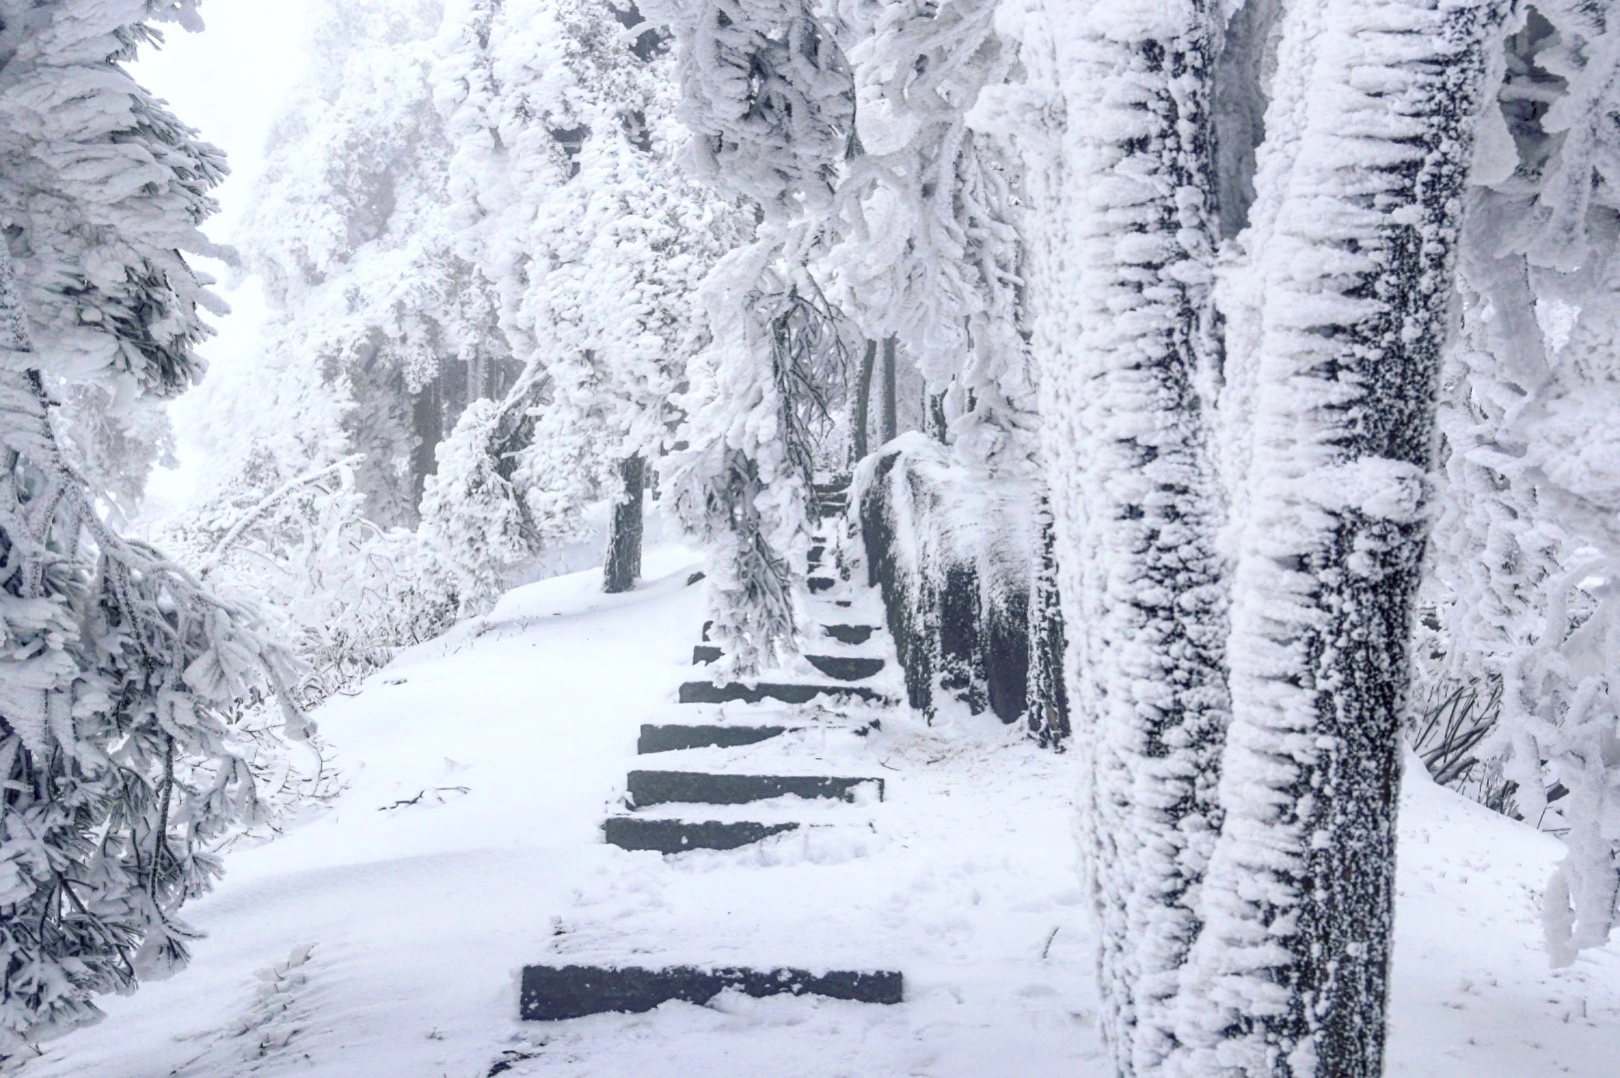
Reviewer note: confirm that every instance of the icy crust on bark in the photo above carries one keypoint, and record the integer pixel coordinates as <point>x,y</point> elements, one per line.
<point>951,552</point>
<point>1122,245</point>
<point>1347,283</point>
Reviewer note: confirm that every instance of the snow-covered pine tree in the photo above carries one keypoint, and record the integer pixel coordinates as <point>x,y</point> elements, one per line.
<point>1121,186</point>
<point>565,133</point>
<point>122,758</point>
<point>1350,248</point>
<point>770,102</point>
<point>927,256</point>
<point>92,258</point>
<point>383,331</point>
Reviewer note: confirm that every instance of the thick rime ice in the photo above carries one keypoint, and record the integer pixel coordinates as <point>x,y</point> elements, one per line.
<point>124,752</point>
<point>567,199</point>
<point>930,254</point>
<point>1122,249</point>
<point>769,98</point>
<point>1342,295</point>
<point>1526,542</point>
<point>950,547</point>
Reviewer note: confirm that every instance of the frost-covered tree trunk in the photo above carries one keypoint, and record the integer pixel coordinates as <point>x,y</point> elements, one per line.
<point>861,419</point>
<point>623,565</point>
<point>889,395</point>
<point>1122,189</point>
<point>1047,706</point>
<point>1351,247</point>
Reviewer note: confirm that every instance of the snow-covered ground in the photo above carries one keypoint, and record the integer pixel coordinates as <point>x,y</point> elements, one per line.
<point>384,938</point>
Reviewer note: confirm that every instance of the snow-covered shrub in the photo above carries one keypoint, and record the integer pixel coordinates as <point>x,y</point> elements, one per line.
<point>478,526</point>
<point>343,592</point>
<point>1450,728</point>
<point>949,546</point>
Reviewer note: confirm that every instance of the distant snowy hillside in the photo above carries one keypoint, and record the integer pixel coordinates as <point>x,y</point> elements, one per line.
<point>383,939</point>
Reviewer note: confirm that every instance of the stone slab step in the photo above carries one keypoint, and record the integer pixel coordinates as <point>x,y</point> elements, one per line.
<point>553,993</point>
<point>672,737</point>
<point>819,584</point>
<point>838,667</point>
<point>679,836</point>
<point>846,667</point>
<point>850,634</point>
<point>707,692</point>
<point>698,787</point>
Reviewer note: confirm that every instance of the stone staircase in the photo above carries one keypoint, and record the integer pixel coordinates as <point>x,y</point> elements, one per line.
<point>846,677</point>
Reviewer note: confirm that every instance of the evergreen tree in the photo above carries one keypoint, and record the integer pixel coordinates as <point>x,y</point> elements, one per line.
<point>565,168</point>
<point>383,331</point>
<point>121,743</point>
<point>770,101</point>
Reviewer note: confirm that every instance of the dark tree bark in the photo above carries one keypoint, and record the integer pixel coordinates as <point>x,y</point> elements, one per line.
<point>1047,705</point>
<point>623,566</point>
<point>934,416</point>
<point>891,408</point>
<point>1356,275</point>
<point>427,430</point>
<point>863,403</point>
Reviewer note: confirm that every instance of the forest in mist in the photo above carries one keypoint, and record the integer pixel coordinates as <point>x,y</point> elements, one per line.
<point>1216,401</point>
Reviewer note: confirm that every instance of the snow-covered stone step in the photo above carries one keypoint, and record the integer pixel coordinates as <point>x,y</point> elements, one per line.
<point>679,836</point>
<point>846,667</point>
<point>673,737</point>
<point>553,993</point>
<point>849,634</point>
<point>820,812</point>
<point>837,667</point>
<point>707,692</point>
<point>698,787</point>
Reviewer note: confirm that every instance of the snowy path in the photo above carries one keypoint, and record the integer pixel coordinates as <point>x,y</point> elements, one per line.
<point>417,920</point>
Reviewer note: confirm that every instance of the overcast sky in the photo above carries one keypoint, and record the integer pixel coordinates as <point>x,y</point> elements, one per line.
<point>229,82</point>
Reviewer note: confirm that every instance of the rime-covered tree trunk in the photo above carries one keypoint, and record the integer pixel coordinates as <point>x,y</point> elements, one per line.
<point>891,403</point>
<point>1047,706</point>
<point>1122,332</point>
<point>1352,242</point>
<point>623,565</point>
<point>861,421</point>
